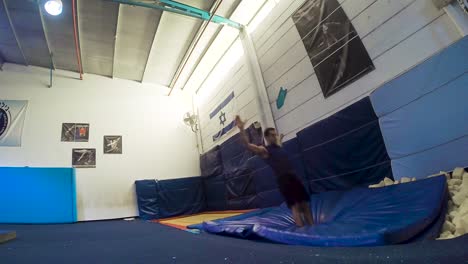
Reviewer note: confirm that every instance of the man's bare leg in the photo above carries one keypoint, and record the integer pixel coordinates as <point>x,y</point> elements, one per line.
<point>297,215</point>
<point>305,208</point>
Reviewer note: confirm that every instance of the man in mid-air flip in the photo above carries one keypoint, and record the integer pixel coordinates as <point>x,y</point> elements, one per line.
<point>289,184</point>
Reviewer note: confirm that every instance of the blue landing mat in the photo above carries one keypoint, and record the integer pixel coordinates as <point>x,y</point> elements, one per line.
<point>358,217</point>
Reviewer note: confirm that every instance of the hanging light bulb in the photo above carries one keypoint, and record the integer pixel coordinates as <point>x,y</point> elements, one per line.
<point>54,7</point>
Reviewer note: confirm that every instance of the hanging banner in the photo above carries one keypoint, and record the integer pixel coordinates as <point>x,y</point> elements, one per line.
<point>225,113</point>
<point>12,113</point>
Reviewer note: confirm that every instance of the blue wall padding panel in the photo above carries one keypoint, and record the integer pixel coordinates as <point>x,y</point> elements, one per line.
<point>361,177</point>
<point>37,195</point>
<point>234,153</point>
<point>211,162</point>
<point>269,198</point>
<point>215,192</point>
<point>350,118</point>
<point>357,217</point>
<point>345,149</point>
<point>422,79</point>
<point>442,158</point>
<point>146,191</point>
<point>434,119</point>
<point>168,198</point>
<point>356,150</point>
<point>180,196</point>
<point>239,183</point>
<point>423,114</point>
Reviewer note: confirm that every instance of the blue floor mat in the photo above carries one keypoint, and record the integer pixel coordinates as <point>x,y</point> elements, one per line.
<point>141,242</point>
<point>358,217</point>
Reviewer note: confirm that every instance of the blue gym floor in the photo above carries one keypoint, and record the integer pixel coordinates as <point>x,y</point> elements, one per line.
<point>143,242</point>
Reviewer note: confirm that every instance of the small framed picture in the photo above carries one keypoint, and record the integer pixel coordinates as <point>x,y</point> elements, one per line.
<point>72,132</point>
<point>112,144</point>
<point>68,132</point>
<point>82,132</point>
<point>84,158</point>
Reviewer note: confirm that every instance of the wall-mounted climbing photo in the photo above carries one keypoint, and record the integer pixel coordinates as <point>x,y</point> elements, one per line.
<point>332,43</point>
<point>84,158</point>
<point>72,132</point>
<point>112,144</point>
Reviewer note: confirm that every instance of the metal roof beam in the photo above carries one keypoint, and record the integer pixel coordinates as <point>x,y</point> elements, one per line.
<point>14,32</point>
<point>192,46</point>
<point>151,49</point>
<point>115,42</point>
<point>182,9</point>
<point>44,29</point>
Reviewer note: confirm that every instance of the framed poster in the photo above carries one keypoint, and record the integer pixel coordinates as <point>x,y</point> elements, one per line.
<point>333,45</point>
<point>84,158</point>
<point>81,132</point>
<point>73,132</point>
<point>112,144</point>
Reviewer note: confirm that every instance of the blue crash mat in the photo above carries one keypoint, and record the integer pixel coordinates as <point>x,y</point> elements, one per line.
<point>358,217</point>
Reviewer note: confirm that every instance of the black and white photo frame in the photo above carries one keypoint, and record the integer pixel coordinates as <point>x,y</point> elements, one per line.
<point>112,144</point>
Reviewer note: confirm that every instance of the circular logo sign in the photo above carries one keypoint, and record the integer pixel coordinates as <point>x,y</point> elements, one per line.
<point>3,122</point>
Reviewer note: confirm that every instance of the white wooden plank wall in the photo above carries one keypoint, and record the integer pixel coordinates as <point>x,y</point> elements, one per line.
<point>398,35</point>
<point>239,81</point>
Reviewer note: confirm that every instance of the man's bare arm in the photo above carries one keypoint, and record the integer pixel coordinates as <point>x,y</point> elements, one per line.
<point>257,150</point>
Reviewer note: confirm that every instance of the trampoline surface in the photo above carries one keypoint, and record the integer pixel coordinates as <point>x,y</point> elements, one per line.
<point>145,242</point>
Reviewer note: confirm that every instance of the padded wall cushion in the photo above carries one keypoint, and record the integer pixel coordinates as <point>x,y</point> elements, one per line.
<point>424,124</point>
<point>361,177</point>
<point>345,149</point>
<point>215,192</point>
<point>441,158</point>
<point>422,79</point>
<point>343,121</point>
<point>211,162</point>
<point>434,119</point>
<point>168,198</point>
<point>180,196</point>
<point>240,183</point>
<point>146,191</point>
<point>358,217</point>
<point>234,153</point>
<point>359,149</point>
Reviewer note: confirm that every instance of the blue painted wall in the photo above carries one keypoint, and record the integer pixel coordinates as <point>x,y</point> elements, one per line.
<point>37,195</point>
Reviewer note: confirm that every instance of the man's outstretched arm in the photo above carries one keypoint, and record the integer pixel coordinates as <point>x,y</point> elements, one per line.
<point>257,150</point>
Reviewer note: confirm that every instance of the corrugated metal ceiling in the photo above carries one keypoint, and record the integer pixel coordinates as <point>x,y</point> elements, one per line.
<point>114,40</point>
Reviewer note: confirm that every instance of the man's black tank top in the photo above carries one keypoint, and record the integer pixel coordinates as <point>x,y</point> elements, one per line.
<point>279,161</point>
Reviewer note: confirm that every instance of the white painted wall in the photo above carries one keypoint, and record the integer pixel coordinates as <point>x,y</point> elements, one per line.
<point>156,143</point>
<point>398,35</point>
<point>245,104</point>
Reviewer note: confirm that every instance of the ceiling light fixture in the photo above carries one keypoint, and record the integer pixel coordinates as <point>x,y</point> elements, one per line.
<point>54,7</point>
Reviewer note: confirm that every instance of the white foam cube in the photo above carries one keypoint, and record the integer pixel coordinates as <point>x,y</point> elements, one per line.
<point>454,182</point>
<point>388,181</point>
<point>405,180</point>
<point>448,226</point>
<point>458,173</point>
<point>458,197</point>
